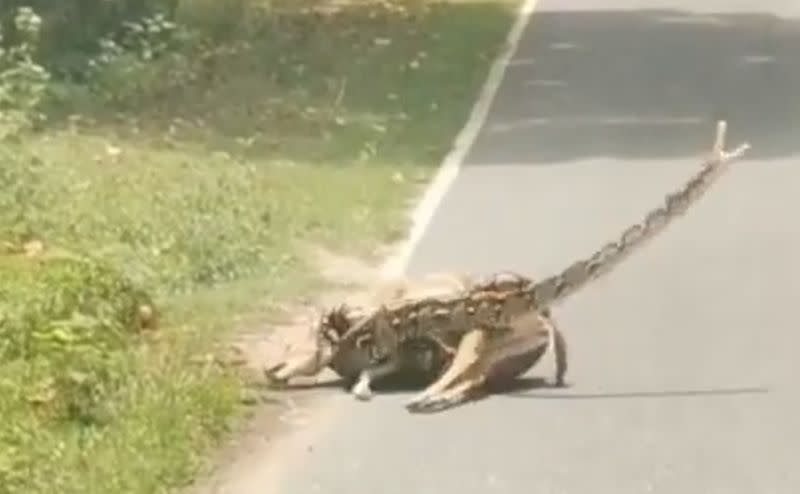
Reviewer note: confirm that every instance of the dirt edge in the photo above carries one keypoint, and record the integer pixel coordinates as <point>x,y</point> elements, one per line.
<point>283,424</point>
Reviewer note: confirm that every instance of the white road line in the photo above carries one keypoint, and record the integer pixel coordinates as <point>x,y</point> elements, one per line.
<point>397,264</point>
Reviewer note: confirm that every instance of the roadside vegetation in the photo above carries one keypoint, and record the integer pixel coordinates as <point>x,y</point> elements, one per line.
<point>175,155</point>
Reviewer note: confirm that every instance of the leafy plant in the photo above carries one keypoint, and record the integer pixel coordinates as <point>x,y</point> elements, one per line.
<point>23,82</point>
<point>128,62</point>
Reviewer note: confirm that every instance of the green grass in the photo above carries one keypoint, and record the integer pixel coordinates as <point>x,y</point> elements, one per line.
<point>199,177</point>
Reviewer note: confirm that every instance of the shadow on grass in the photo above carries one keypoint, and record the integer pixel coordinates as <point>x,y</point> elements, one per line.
<point>633,84</point>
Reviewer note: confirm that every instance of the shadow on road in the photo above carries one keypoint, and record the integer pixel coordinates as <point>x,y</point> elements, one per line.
<point>399,383</point>
<point>645,84</point>
<point>520,389</point>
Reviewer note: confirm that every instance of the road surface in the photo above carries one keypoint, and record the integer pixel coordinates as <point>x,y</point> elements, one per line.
<point>683,361</point>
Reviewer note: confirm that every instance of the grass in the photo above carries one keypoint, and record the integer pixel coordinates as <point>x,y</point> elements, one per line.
<point>199,176</point>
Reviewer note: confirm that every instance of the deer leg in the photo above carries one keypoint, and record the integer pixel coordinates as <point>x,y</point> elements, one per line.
<point>362,389</point>
<point>467,355</point>
<point>307,364</point>
<point>560,350</point>
<point>447,349</point>
<point>469,385</point>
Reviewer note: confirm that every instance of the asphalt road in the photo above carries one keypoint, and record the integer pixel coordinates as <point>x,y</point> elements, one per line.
<point>683,361</point>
